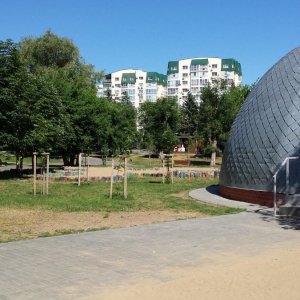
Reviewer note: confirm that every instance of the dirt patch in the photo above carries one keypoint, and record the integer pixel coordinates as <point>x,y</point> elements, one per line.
<point>24,224</point>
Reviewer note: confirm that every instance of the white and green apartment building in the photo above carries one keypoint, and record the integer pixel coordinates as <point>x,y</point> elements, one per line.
<point>139,85</point>
<point>191,75</point>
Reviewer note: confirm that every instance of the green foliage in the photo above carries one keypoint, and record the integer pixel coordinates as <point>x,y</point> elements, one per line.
<point>160,121</point>
<point>122,133</point>
<point>125,97</point>
<point>48,102</point>
<point>189,116</point>
<point>30,107</point>
<point>218,109</point>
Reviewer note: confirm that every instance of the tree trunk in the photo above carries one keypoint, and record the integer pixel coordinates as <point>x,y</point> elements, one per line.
<point>213,154</point>
<point>66,160</point>
<point>17,161</point>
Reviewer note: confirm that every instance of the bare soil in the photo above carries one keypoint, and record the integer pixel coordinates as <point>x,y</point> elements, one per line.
<point>23,224</point>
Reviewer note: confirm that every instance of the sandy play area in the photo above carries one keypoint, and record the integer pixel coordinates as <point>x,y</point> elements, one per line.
<point>273,275</point>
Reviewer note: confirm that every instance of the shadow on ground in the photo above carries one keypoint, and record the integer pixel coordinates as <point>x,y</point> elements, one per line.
<point>266,214</point>
<point>284,222</point>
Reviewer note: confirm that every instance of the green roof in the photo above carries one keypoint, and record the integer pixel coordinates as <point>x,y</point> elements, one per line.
<point>231,65</point>
<point>172,67</point>
<point>203,61</point>
<point>128,78</point>
<point>156,77</point>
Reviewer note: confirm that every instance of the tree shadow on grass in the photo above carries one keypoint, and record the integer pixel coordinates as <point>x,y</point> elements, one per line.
<point>14,174</point>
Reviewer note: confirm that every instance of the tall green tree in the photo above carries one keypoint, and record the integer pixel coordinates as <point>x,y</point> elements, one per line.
<point>123,132</point>
<point>218,109</point>
<point>189,116</point>
<point>30,107</point>
<point>58,61</point>
<point>159,122</point>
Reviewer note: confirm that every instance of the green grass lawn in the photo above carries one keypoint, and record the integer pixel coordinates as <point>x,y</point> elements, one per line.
<point>143,194</point>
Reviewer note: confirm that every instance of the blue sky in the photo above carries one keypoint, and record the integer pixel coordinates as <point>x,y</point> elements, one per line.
<point>119,34</point>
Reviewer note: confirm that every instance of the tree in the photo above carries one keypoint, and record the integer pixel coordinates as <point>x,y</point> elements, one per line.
<point>218,110</point>
<point>233,100</point>
<point>159,122</point>
<point>189,113</point>
<point>123,127</point>
<point>58,61</point>
<point>125,98</point>
<point>30,107</point>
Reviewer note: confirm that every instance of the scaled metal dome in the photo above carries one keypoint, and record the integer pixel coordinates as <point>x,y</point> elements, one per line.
<point>266,131</point>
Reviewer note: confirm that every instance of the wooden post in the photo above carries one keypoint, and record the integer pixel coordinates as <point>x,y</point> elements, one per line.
<point>163,170</point>
<point>34,173</point>
<point>172,170</point>
<point>47,173</point>
<point>44,181</point>
<point>111,178</point>
<point>79,168</point>
<point>87,167</point>
<point>125,177</point>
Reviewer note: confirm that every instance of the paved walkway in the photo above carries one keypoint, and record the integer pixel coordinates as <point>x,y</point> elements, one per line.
<point>79,265</point>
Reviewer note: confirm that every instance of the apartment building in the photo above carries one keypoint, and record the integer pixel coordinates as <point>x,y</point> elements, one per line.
<point>139,85</point>
<point>191,75</point>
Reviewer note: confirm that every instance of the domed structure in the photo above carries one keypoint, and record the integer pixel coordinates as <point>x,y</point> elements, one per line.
<point>265,132</point>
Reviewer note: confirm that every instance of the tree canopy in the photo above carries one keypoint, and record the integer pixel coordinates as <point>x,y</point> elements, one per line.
<point>218,109</point>
<point>160,121</point>
<point>28,119</point>
<point>48,102</point>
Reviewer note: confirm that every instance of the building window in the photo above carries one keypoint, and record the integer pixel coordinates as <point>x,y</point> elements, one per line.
<point>117,93</point>
<point>124,84</point>
<point>173,68</point>
<point>195,67</point>
<point>151,91</point>
<point>141,78</point>
<point>214,66</point>
<point>131,78</point>
<point>214,74</point>
<point>185,90</point>
<point>150,78</point>
<point>225,66</point>
<point>172,91</point>
<point>185,75</point>
<point>117,79</point>
<point>131,91</point>
<point>194,82</point>
<point>185,67</point>
<point>184,82</point>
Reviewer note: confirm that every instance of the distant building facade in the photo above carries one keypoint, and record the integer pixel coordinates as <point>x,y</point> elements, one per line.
<point>140,86</point>
<point>193,74</point>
